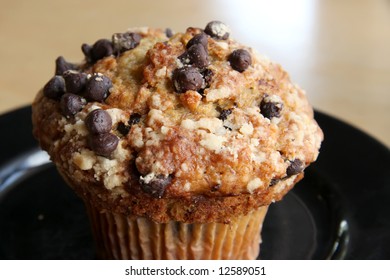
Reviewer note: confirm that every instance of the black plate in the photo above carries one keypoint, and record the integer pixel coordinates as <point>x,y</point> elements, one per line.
<point>340,210</point>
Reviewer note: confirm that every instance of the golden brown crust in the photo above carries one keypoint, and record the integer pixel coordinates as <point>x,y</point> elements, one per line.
<point>190,209</point>
<point>217,167</point>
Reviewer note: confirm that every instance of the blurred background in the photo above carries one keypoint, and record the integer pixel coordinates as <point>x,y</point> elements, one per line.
<point>337,50</point>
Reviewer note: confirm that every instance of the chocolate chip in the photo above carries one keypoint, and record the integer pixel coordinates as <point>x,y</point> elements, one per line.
<point>98,122</point>
<point>240,60</point>
<point>217,30</point>
<point>200,38</point>
<point>123,128</point>
<point>62,66</point>
<point>274,181</point>
<point>55,87</point>
<point>97,88</point>
<point>207,76</point>
<point>156,186</point>
<point>125,41</point>
<point>270,109</point>
<point>134,119</point>
<point>71,104</point>
<point>101,48</point>
<point>103,144</point>
<point>224,114</point>
<point>196,55</point>
<point>187,78</point>
<point>75,81</point>
<point>87,51</point>
<point>168,32</point>
<point>296,166</point>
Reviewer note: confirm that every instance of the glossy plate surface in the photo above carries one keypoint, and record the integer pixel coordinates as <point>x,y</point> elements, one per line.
<point>341,210</point>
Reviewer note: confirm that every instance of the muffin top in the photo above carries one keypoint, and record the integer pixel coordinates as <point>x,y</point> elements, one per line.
<point>154,119</point>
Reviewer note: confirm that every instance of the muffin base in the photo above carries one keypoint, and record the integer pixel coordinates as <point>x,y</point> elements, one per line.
<point>120,237</point>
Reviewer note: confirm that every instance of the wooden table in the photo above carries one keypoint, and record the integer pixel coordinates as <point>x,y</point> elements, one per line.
<point>339,51</point>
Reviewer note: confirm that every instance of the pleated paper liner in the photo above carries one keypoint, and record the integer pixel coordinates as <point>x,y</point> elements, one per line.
<point>121,237</point>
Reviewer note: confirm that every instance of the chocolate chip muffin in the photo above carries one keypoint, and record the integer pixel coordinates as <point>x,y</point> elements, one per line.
<point>176,142</point>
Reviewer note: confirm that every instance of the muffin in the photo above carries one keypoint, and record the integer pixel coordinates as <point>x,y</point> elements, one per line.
<point>177,143</point>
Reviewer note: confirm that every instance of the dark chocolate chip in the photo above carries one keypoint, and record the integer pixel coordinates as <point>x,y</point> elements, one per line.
<point>71,104</point>
<point>97,88</point>
<point>270,109</point>
<point>296,166</point>
<point>125,41</point>
<point>123,128</point>
<point>87,51</point>
<point>101,49</point>
<point>62,65</point>
<point>196,55</point>
<point>207,76</point>
<point>168,32</point>
<point>274,181</point>
<point>228,128</point>
<point>200,38</point>
<point>240,60</point>
<point>134,119</point>
<point>98,122</point>
<point>156,186</point>
<point>75,81</point>
<point>103,144</point>
<point>217,30</point>
<point>187,78</point>
<point>224,114</point>
<point>54,88</point>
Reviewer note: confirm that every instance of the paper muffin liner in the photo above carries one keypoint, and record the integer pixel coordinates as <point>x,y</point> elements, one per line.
<point>121,237</point>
